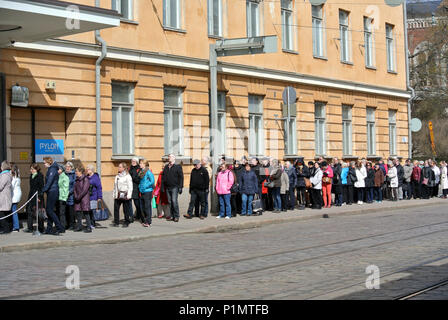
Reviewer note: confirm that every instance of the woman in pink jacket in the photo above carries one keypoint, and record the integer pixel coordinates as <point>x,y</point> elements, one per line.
<point>224,182</point>
<point>326,183</point>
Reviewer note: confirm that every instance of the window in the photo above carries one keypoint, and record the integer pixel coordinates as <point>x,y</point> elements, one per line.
<point>344,36</point>
<point>287,13</point>
<point>390,48</point>
<point>221,123</point>
<point>215,18</point>
<point>122,118</point>
<point>173,114</point>
<point>319,122</point>
<point>393,132</point>
<point>371,147</point>
<point>368,42</point>
<point>318,31</point>
<point>172,13</point>
<point>256,139</point>
<point>124,7</point>
<point>253,18</point>
<point>346,130</point>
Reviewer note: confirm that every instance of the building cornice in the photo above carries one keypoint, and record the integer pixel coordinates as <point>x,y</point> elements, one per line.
<point>157,58</point>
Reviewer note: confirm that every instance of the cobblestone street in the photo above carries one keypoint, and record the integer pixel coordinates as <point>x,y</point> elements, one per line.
<point>312,259</point>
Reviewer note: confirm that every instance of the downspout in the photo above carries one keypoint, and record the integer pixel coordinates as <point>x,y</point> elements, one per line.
<point>98,95</point>
<point>408,84</point>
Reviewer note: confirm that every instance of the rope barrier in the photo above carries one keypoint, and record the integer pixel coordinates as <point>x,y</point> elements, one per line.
<point>20,207</point>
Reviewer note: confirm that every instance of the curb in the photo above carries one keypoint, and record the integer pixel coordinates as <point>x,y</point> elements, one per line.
<point>208,229</point>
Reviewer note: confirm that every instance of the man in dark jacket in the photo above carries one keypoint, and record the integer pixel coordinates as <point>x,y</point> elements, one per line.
<point>52,189</point>
<point>238,169</point>
<point>248,187</point>
<point>199,183</point>
<point>292,176</point>
<point>134,173</point>
<point>302,172</point>
<point>337,182</point>
<point>400,174</point>
<point>172,184</point>
<point>351,179</point>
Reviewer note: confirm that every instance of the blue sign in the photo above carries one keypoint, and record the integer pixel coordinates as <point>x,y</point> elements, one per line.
<point>49,148</point>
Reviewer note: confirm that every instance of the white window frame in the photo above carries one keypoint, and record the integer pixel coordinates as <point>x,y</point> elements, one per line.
<point>222,113</point>
<point>118,5</point>
<point>212,9</point>
<point>371,131</point>
<point>169,111</point>
<point>393,132</point>
<point>117,108</point>
<point>318,27</point>
<point>167,23</point>
<point>287,21</point>
<point>256,141</point>
<point>251,4</point>
<point>390,48</point>
<point>344,35</point>
<point>347,136</point>
<point>369,43</point>
<point>319,128</point>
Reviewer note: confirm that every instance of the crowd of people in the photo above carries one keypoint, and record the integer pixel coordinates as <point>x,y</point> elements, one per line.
<point>74,194</point>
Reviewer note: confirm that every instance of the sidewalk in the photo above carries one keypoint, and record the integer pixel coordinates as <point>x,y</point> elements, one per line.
<point>160,227</point>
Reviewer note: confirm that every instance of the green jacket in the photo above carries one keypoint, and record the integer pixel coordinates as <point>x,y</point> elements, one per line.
<point>63,183</point>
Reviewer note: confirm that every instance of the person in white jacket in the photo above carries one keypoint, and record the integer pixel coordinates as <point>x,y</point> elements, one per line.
<point>444,179</point>
<point>16,196</point>
<point>360,185</point>
<point>316,181</point>
<point>392,174</point>
<point>122,194</point>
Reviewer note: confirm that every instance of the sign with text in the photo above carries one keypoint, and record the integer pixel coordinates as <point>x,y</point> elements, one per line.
<point>49,148</point>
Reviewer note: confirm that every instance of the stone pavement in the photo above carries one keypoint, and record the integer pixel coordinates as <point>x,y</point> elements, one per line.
<point>160,227</point>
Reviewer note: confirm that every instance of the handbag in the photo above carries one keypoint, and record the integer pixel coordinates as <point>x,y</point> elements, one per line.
<point>101,213</point>
<point>256,204</point>
<point>269,184</point>
<point>122,195</point>
<point>326,180</point>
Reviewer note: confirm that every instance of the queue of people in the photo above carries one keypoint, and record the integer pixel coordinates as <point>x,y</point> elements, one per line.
<point>73,194</point>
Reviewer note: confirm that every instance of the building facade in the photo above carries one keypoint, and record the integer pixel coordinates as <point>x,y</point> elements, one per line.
<point>345,61</point>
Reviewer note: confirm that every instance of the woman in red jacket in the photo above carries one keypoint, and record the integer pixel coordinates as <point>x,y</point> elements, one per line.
<point>163,206</point>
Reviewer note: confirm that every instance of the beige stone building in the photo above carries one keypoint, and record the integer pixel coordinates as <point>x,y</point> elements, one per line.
<point>346,62</point>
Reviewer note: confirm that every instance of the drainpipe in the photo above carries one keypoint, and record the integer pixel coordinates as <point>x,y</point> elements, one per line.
<point>408,85</point>
<point>98,95</point>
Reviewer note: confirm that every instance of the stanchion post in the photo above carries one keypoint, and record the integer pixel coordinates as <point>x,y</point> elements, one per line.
<point>37,233</point>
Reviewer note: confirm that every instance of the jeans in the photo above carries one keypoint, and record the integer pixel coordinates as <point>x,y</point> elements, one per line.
<point>247,204</point>
<point>127,209</point>
<point>52,199</point>
<point>338,199</point>
<point>15,218</point>
<point>277,198</point>
<point>197,205</point>
<point>360,192</point>
<point>292,199</point>
<point>197,196</point>
<point>378,193</point>
<point>173,195</point>
<point>224,205</point>
<point>61,211</point>
<point>146,201</point>
<point>138,209</point>
<point>369,191</point>
<point>79,216</point>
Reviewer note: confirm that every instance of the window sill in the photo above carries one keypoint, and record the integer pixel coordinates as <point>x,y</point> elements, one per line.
<point>321,58</point>
<point>129,21</point>
<point>212,36</point>
<point>370,68</point>
<point>392,72</point>
<point>124,157</point>
<point>180,159</point>
<point>166,28</point>
<point>290,51</point>
<point>348,63</point>
<point>374,157</point>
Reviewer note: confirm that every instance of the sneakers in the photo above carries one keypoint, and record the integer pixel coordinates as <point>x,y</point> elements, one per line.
<point>219,217</point>
<point>227,217</point>
<point>146,225</point>
<point>15,230</point>
<point>188,216</point>
<point>360,202</point>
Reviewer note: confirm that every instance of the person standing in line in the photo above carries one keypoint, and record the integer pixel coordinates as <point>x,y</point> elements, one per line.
<point>199,183</point>
<point>284,189</point>
<point>172,184</point>
<point>360,183</point>
<point>163,207</point>
<point>224,182</point>
<point>122,195</point>
<point>5,195</point>
<point>400,175</point>
<point>134,171</point>
<point>238,169</point>
<point>316,182</point>
<point>436,170</point>
<point>96,191</point>
<point>407,176</point>
<point>327,177</point>
<point>266,192</point>
<point>352,178</point>
<point>393,175</point>
<point>64,189</point>
<point>378,183</point>
<point>36,185</point>
<point>292,177</point>
<point>444,179</point>
<point>303,173</point>
<point>370,182</point>
<point>206,165</point>
<point>52,189</point>
<point>427,180</point>
<point>344,176</point>
<point>81,196</point>
<point>70,208</point>
<point>416,180</point>
<point>248,185</point>
<point>275,177</point>
<point>146,187</point>
<point>16,196</point>
<point>336,187</point>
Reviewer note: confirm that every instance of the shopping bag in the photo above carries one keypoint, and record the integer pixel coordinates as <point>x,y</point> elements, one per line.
<point>101,213</point>
<point>153,203</point>
<point>257,206</point>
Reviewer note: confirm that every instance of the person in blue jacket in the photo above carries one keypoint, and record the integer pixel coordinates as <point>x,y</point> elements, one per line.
<point>70,205</point>
<point>51,187</point>
<point>146,187</point>
<point>292,175</point>
<point>248,188</point>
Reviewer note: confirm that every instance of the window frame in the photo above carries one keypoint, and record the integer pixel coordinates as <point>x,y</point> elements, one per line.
<point>167,14</point>
<point>256,145</point>
<point>117,134</point>
<point>320,30</point>
<point>371,127</point>
<point>347,146</point>
<point>344,29</point>
<point>211,20</point>
<point>168,127</point>
<point>369,45</point>
<point>222,128</point>
<point>392,132</point>
<point>249,31</point>
<point>118,6</point>
<point>287,15</point>
<point>390,49</point>
<point>320,129</point>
